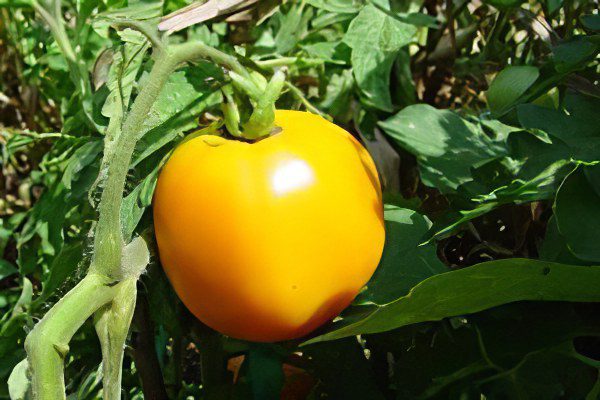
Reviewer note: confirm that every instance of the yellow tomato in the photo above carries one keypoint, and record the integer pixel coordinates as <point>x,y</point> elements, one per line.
<point>266,241</point>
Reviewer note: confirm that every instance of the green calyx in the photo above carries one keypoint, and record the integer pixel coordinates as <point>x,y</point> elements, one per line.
<point>262,95</point>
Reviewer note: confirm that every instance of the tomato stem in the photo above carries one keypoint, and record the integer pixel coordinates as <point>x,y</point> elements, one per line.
<point>262,96</point>
<point>112,323</point>
<point>47,344</point>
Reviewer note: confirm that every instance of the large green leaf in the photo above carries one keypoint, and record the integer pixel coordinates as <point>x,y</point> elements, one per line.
<point>404,263</point>
<point>508,86</point>
<point>375,37</point>
<point>577,210</point>
<point>294,25</point>
<point>574,132</point>
<point>176,109</point>
<point>591,21</point>
<point>575,53</point>
<point>512,348</point>
<point>473,289</point>
<point>338,6</point>
<point>439,139</point>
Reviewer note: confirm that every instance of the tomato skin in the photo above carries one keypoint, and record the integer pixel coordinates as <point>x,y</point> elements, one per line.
<point>267,241</point>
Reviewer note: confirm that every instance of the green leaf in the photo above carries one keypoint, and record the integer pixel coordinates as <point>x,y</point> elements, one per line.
<point>6,269</point>
<point>504,4</point>
<point>578,132</point>
<point>338,6</point>
<point>473,289</point>
<point>139,11</point>
<point>541,187</point>
<point>492,352</point>
<point>324,19</point>
<point>293,27</point>
<point>533,154</point>
<point>183,98</point>
<point>577,211</point>
<point>131,212</point>
<point>575,53</point>
<point>405,92</point>
<point>438,138</point>
<point>404,263</point>
<point>265,371</point>
<point>591,21</point>
<point>375,37</point>
<point>81,158</point>
<point>372,69</point>
<point>338,95</point>
<point>554,247</point>
<point>19,383</point>
<point>508,86</point>
<point>332,52</point>
<point>375,29</point>
<point>344,371</point>
<point>125,66</point>
<point>554,5</point>
<point>62,268</point>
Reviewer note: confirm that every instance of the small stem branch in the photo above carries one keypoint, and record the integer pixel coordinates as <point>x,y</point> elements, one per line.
<point>285,61</point>
<point>77,69</point>
<point>57,29</point>
<point>47,344</point>
<point>277,62</point>
<point>145,29</point>
<point>451,29</point>
<point>298,93</point>
<point>194,50</point>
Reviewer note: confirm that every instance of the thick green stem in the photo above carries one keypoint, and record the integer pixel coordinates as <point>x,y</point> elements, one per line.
<point>108,243</point>
<point>194,50</point>
<point>48,343</point>
<point>144,28</point>
<point>309,107</point>
<point>112,326</point>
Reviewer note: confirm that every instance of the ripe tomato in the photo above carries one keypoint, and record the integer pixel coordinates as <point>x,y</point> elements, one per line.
<point>266,241</point>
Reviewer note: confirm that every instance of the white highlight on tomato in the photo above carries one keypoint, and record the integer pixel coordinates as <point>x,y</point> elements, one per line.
<point>292,175</point>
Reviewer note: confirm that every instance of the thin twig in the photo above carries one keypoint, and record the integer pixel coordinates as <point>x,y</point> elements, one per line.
<point>309,107</point>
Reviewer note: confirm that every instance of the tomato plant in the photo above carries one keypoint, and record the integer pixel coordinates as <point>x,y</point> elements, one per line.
<point>169,231</point>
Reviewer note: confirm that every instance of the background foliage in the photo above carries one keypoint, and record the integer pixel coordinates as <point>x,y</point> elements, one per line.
<point>483,120</point>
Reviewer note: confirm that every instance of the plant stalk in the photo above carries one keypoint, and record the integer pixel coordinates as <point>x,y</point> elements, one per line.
<point>77,70</point>
<point>112,326</point>
<point>108,244</point>
<point>47,344</point>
